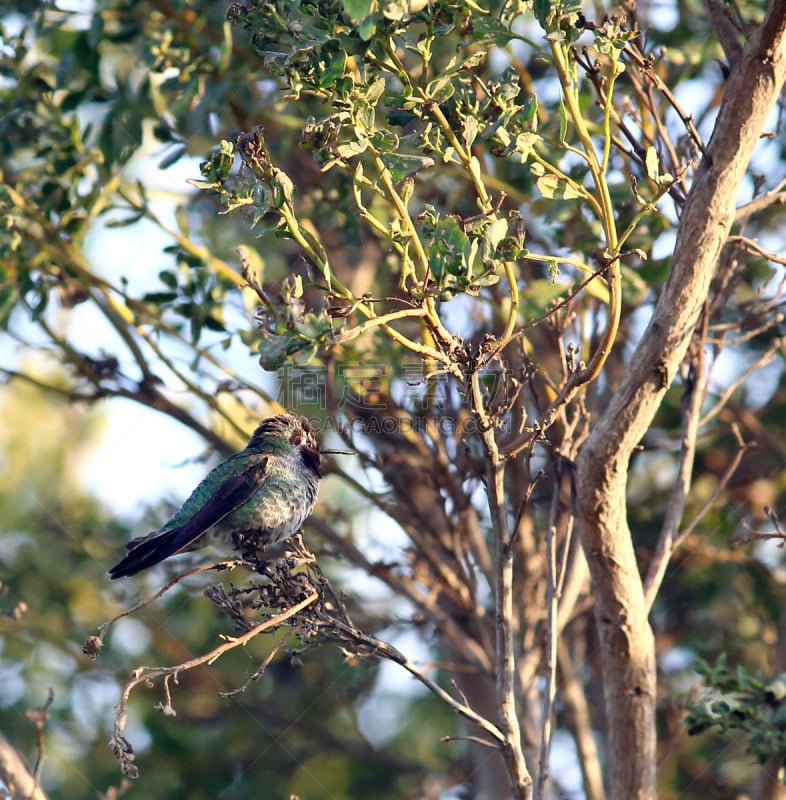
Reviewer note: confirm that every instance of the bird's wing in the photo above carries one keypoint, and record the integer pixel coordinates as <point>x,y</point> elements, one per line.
<point>235,490</point>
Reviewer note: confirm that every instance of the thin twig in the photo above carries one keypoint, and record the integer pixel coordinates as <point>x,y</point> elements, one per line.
<point>645,64</point>
<point>579,722</point>
<point>121,746</point>
<point>751,535</point>
<point>472,650</point>
<point>518,772</point>
<point>775,196</point>
<point>742,448</point>
<point>378,647</point>
<point>257,674</point>
<point>756,249</point>
<point>39,717</point>
<point>765,358</point>
<point>228,564</point>
<point>476,739</point>
<point>551,640</point>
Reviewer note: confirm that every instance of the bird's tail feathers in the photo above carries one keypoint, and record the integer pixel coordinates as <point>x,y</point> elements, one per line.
<point>147,551</point>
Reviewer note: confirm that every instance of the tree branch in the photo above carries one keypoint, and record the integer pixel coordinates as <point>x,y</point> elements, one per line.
<point>692,399</point>
<point>121,747</point>
<point>15,775</point>
<point>518,772</point>
<point>627,645</point>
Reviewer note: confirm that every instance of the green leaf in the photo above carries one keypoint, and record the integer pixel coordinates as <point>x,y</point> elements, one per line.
<point>525,144</point>
<point>563,121</point>
<point>398,9</point>
<point>367,27</point>
<point>449,250</point>
<point>304,355</point>
<point>214,323</point>
<point>454,66</point>
<point>554,187</point>
<point>375,91</point>
<point>494,233</point>
<point>470,131</point>
<point>357,10</point>
<point>598,289</point>
<point>333,71</point>
<point>402,166</point>
<point>540,293</point>
<point>275,350</point>
<point>651,163</point>
<point>292,287</point>
<point>172,157</point>
<point>350,149</point>
<point>168,278</point>
<point>489,279</point>
<point>530,113</point>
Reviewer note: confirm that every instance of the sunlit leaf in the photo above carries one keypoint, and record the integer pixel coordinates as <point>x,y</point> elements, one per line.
<point>555,187</point>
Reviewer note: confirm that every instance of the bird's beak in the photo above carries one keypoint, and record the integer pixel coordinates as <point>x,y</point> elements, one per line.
<point>337,452</point>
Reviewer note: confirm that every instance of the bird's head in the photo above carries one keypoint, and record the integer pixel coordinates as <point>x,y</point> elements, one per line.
<point>295,431</point>
<point>287,428</point>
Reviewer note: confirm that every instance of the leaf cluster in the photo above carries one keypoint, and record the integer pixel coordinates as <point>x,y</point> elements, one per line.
<point>741,700</point>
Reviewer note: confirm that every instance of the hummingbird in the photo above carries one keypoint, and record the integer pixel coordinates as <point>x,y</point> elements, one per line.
<point>260,495</point>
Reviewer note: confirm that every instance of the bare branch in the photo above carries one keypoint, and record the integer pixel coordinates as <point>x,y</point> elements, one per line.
<point>257,674</point>
<point>756,249</point>
<point>15,775</point>
<point>775,196</point>
<point>521,780</point>
<point>765,358</point>
<point>39,717</point>
<point>121,747</point>
<point>751,535</point>
<point>466,645</point>
<point>579,722</point>
<point>552,600</point>
<point>725,29</point>
<point>645,65</point>
<point>95,643</point>
<point>476,739</point>
<point>378,647</point>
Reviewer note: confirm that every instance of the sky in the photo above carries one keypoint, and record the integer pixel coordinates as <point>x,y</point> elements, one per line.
<point>140,450</point>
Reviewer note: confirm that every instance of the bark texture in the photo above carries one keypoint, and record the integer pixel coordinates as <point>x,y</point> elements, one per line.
<point>15,776</point>
<point>627,644</point>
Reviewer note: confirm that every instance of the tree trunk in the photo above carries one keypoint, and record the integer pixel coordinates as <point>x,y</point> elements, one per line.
<point>627,644</point>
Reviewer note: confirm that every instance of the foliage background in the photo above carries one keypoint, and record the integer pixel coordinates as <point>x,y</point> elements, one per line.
<point>88,95</point>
